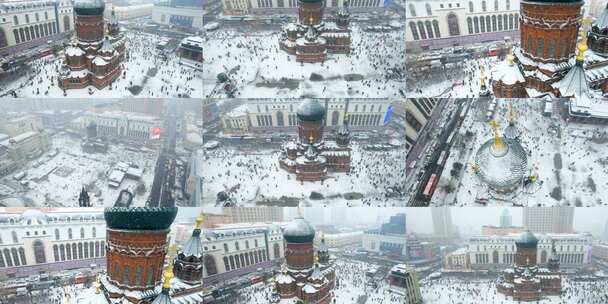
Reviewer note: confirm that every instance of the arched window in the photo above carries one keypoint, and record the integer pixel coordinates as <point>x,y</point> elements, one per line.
<point>21,255</point>
<point>126,280</point>
<point>471,6</point>
<point>80,250</point>
<point>540,48</point>
<point>66,23</point>
<point>97,249</point>
<point>429,29</point>
<point>436,27</point>
<point>505,20</point>
<point>236,245</point>
<point>476,21</point>
<point>149,275</point>
<point>14,236</point>
<point>62,251</point>
<point>15,256</point>
<point>242,260</point>
<point>86,250</point>
<point>496,5</point>
<point>251,258</point>
<point>39,252</point>
<point>56,234</point>
<point>483,6</point>
<point>238,262</point>
<point>414,31</point>
<point>516,17</point>
<point>429,12</point>
<point>226,265</point>
<point>280,121</point>
<point>488,23</point>
<point>7,257</point>
<point>94,232</point>
<point>412,10</point>
<point>82,232</point>
<point>499,23</point>
<point>277,251</point>
<point>91,249</point>
<point>16,34</point>
<point>422,36</point>
<point>510,21</point>
<point>482,25</point>
<point>74,251</point>
<point>15,20</point>
<point>508,4</point>
<point>138,272</point>
<point>2,263</point>
<point>70,233</point>
<point>494,28</point>
<point>453,24</point>
<point>232,266</point>
<point>68,251</point>
<point>552,47</point>
<point>335,116</point>
<point>225,247</point>
<point>3,40</point>
<point>247,262</point>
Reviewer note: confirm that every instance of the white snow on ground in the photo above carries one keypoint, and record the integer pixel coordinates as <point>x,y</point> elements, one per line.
<point>171,80</point>
<point>55,189</point>
<point>352,289</point>
<point>460,81</point>
<point>257,176</point>
<point>258,58</point>
<point>584,162</point>
<point>456,291</point>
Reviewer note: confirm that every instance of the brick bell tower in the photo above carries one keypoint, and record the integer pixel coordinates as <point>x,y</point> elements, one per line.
<point>89,22</point>
<point>136,248</point>
<point>299,236</point>
<point>310,11</point>
<point>526,247</point>
<point>311,120</point>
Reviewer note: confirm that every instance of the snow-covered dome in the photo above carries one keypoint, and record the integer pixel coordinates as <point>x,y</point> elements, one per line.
<point>89,7</point>
<point>311,110</point>
<point>502,170</point>
<point>527,240</point>
<point>194,247</point>
<point>511,132</point>
<point>33,217</point>
<point>299,231</point>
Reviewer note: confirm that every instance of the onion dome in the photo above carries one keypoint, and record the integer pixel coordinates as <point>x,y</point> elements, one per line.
<point>113,20</point>
<point>311,110</point>
<point>527,240</point>
<point>107,46</point>
<point>299,230</point>
<point>311,152</point>
<point>311,34</point>
<point>164,297</point>
<point>140,218</point>
<point>316,274</point>
<point>511,131</point>
<point>194,247</point>
<point>89,7</point>
<point>33,217</point>
<point>501,162</point>
<point>574,84</point>
<point>323,246</point>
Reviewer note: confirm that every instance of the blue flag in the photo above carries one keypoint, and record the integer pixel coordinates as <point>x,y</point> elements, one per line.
<point>389,114</point>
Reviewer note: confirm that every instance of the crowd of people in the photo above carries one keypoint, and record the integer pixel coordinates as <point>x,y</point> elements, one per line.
<point>146,72</point>
<point>252,175</point>
<point>259,68</point>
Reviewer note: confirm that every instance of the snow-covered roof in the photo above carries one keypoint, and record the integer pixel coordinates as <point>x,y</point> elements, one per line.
<point>74,51</point>
<point>99,61</point>
<point>508,73</point>
<point>574,84</point>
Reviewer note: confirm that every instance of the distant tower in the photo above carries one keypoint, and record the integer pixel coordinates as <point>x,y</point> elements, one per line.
<point>505,219</point>
<point>442,222</point>
<point>113,28</point>
<point>188,266</point>
<point>343,134</point>
<point>323,252</point>
<point>84,199</point>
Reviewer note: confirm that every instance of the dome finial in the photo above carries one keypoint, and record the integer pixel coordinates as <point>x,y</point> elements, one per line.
<point>512,116</point>
<point>582,47</point>
<point>168,275</point>
<point>199,221</point>
<point>498,144</point>
<point>299,212</point>
<point>510,57</point>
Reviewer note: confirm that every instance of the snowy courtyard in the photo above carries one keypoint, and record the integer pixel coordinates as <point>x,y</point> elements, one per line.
<point>456,291</point>
<point>54,181</point>
<point>568,157</point>
<point>460,80</point>
<point>255,178</point>
<point>144,74</point>
<point>259,68</point>
<point>351,288</point>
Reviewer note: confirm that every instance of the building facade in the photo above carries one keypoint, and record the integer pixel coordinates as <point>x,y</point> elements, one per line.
<point>277,115</point>
<point>29,23</point>
<point>549,220</point>
<point>185,17</point>
<point>35,241</point>
<point>417,113</point>
<point>119,125</point>
<point>404,280</point>
<point>497,252</point>
<point>440,24</point>
<point>253,215</point>
<point>265,7</point>
<point>232,250</point>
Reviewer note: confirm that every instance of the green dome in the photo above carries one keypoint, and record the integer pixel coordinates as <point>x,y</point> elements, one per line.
<point>527,240</point>
<point>311,110</point>
<point>140,218</point>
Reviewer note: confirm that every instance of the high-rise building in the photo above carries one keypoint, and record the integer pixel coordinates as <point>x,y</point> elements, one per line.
<point>396,225</point>
<point>417,113</point>
<point>252,215</point>
<point>505,219</point>
<point>442,221</point>
<point>549,219</point>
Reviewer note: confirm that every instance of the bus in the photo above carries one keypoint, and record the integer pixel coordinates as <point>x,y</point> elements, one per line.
<point>429,189</point>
